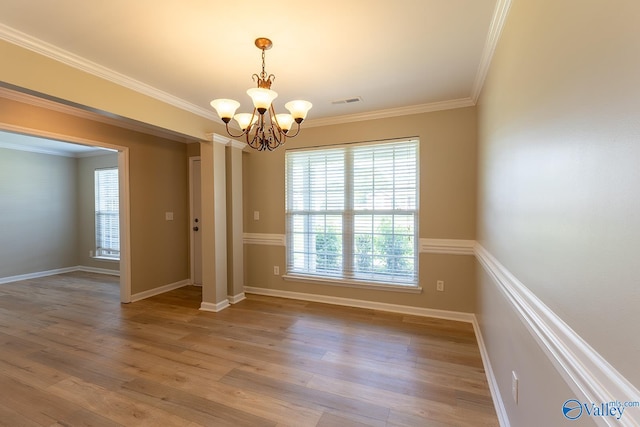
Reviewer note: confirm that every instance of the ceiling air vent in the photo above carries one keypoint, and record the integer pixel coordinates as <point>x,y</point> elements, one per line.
<point>347,100</point>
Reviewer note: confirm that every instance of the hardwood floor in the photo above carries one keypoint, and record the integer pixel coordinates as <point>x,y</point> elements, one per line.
<point>72,355</point>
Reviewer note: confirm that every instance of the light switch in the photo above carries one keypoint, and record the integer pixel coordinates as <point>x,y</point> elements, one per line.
<point>168,216</point>
<point>256,215</point>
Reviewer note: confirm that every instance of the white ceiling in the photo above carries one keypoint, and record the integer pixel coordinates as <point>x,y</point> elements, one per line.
<point>401,55</point>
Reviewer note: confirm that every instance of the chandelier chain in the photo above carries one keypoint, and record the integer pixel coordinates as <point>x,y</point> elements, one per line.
<point>263,75</point>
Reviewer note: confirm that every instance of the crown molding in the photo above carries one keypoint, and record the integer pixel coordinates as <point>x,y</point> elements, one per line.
<point>216,137</point>
<point>497,23</point>
<point>26,41</point>
<point>41,47</point>
<point>43,101</point>
<point>391,112</point>
<point>238,144</point>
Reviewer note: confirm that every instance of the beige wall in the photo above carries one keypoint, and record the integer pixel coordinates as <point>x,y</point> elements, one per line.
<point>38,212</point>
<point>27,69</point>
<point>447,204</point>
<point>158,184</point>
<point>86,223</point>
<point>559,177</point>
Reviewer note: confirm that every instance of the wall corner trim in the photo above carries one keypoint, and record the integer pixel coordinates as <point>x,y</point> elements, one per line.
<point>498,403</point>
<point>159,290</point>
<point>208,306</point>
<point>586,372</point>
<point>234,299</point>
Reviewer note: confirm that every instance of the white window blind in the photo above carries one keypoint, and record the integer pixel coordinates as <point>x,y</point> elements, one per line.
<point>352,212</point>
<point>107,213</point>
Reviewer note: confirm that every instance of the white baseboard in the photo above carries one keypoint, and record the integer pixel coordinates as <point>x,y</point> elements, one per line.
<point>498,403</point>
<point>46,273</point>
<point>208,306</point>
<point>157,291</point>
<point>394,308</point>
<point>234,299</point>
<point>98,270</point>
<point>37,274</point>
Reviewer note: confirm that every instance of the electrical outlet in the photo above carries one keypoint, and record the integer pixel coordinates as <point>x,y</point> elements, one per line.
<point>514,386</point>
<point>256,215</point>
<point>440,286</point>
<point>168,216</point>
<point>276,270</point>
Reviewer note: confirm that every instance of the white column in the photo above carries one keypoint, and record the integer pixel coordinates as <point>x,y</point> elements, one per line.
<point>235,230</point>
<point>214,224</point>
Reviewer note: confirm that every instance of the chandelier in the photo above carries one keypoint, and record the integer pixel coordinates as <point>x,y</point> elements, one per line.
<point>262,131</point>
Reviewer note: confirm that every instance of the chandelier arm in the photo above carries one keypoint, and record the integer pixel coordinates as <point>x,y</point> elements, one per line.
<point>293,135</point>
<point>272,119</point>
<point>244,132</point>
<point>279,135</point>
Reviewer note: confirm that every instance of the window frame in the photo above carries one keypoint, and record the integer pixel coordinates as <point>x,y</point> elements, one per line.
<point>101,251</point>
<point>346,275</point>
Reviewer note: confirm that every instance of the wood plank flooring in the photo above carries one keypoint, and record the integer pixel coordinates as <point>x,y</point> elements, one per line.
<point>72,355</point>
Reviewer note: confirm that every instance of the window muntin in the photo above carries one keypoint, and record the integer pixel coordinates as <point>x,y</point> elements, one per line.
<point>107,206</point>
<point>352,212</point>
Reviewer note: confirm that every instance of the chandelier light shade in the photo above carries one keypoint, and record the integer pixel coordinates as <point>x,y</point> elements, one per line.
<point>263,129</point>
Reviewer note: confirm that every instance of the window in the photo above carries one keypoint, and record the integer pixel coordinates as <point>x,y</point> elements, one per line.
<point>107,215</point>
<point>352,212</point>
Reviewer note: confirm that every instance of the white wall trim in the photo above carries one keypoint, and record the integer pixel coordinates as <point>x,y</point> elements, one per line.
<point>96,270</point>
<point>220,139</point>
<point>47,273</point>
<point>208,306</point>
<point>497,23</point>
<point>586,372</point>
<point>348,302</point>
<point>50,51</point>
<point>498,403</point>
<point>238,144</point>
<point>159,290</point>
<point>234,299</point>
<point>447,246</point>
<point>36,275</point>
<point>264,239</point>
<point>391,112</point>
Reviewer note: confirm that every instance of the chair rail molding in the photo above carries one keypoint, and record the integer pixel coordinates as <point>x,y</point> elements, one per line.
<point>586,372</point>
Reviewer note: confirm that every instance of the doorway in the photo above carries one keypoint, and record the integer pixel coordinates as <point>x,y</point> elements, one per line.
<point>123,190</point>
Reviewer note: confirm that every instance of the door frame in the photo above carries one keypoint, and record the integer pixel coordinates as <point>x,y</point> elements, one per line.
<point>124,195</point>
<point>192,260</point>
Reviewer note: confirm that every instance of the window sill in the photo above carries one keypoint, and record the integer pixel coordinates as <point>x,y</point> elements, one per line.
<point>102,258</point>
<point>412,289</point>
